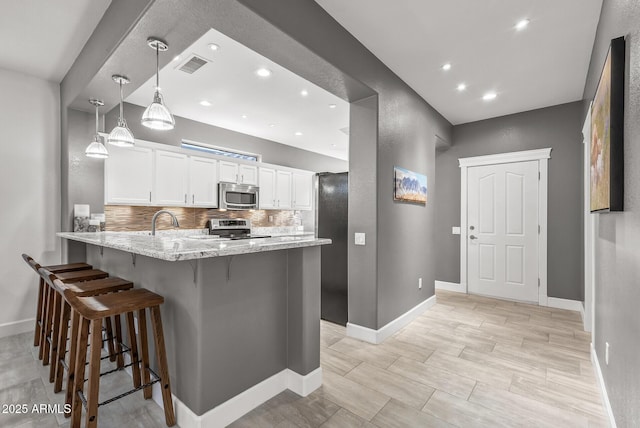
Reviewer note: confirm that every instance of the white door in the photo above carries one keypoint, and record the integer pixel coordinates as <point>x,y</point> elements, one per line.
<point>203,182</point>
<point>283,189</point>
<point>502,203</point>
<point>170,182</point>
<point>228,172</point>
<point>129,176</point>
<point>302,191</point>
<point>248,174</point>
<point>267,188</point>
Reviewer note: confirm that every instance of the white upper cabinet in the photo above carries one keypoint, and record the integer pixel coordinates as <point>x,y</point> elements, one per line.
<point>267,188</point>
<point>129,176</point>
<point>203,182</point>
<point>302,191</point>
<point>247,174</point>
<point>232,172</point>
<point>283,189</point>
<point>171,178</point>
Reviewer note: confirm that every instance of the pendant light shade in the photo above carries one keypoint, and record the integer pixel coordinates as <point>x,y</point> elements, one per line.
<point>96,149</point>
<point>157,115</point>
<point>121,136</point>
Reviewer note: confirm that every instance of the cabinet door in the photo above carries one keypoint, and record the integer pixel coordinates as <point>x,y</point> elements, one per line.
<point>170,179</point>
<point>228,172</point>
<point>302,191</point>
<point>248,174</point>
<point>203,182</point>
<point>283,190</point>
<point>128,176</point>
<point>267,188</point>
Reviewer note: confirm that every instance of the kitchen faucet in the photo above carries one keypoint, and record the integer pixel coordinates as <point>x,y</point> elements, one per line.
<point>174,220</point>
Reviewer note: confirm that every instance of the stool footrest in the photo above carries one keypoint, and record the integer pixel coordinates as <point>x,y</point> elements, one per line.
<point>154,379</point>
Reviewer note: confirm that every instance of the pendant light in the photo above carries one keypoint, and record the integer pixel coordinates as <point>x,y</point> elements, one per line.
<point>121,136</point>
<point>96,149</point>
<point>157,115</point>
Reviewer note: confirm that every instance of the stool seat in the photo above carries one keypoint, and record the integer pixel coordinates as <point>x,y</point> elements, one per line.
<point>71,267</point>
<point>83,275</point>
<point>95,286</point>
<point>96,307</point>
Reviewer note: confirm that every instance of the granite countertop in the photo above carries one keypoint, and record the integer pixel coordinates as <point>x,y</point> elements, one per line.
<point>174,247</point>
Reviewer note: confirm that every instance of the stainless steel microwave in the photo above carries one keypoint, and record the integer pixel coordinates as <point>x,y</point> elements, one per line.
<point>238,196</point>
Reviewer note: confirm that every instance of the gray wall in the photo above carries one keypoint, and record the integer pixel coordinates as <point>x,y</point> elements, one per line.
<point>558,127</point>
<point>272,152</point>
<point>617,242</point>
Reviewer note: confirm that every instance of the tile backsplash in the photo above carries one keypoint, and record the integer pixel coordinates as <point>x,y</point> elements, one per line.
<point>121,218</point>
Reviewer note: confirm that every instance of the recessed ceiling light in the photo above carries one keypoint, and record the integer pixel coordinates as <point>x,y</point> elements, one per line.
<point>177,58</point>
<point>461,87</point>
<point>332,106</point>
<point>333,145</point>
<point>298,134</point>
<point>244,116</point>
<point>263,72</point>
<point>489,96</point>
<point>205,103</point>
<point>272,125</point>
<point>213,46</point>
<point>446,66</point>
<point>304,92</point>
<point>521,25</point>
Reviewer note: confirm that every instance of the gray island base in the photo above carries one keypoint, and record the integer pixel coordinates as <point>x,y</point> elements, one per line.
<point>239,328</point>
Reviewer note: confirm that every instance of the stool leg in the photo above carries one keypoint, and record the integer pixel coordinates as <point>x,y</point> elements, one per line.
<point>43,322</point>
<point>165,386</point>
<point>48,326</point>
<point>94,374</point>
<point>55,331</point>
<point>78,383</point>
<point>144,351</point>
<point>73,350</point>
<point>36,333</point>
<point>112,352</point>
<point>62,345</point>
<point>135,367</point>
<point>119,357</point>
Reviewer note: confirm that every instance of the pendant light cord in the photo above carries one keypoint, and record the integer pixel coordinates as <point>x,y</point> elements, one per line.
<point>97,118</point>
<point>121,106</point>
<point>157,66</point>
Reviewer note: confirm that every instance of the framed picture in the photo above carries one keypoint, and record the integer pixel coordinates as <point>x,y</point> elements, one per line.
<point>607,129</point>
<point>409,186</point>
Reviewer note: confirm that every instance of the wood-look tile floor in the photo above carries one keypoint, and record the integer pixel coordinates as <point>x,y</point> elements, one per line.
<point>469,361</point>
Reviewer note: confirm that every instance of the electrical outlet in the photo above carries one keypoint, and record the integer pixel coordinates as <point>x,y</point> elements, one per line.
<point>270,219</point>
<point>419,283</point>
<point>360,239</point>
<point>606,353</point>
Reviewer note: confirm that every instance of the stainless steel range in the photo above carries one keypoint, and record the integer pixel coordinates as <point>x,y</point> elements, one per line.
<point>232,229</point>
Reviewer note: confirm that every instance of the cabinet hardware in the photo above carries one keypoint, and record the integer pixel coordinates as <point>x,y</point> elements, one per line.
<point>193,198</point>
<point>149,196</point>
<point>185,198</point>
<point>242,178</point>
<point>236,178</point>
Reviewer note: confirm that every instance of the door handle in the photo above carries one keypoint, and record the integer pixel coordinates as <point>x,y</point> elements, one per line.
<point>472,237</point>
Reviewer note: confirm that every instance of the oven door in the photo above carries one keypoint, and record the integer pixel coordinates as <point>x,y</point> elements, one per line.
<point>238,196</point>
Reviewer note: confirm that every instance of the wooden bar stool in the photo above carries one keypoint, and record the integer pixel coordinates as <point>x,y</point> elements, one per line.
<point>40,315</point>
<point>61,321</point>
<point>49,310</point>
<point>91,311</point>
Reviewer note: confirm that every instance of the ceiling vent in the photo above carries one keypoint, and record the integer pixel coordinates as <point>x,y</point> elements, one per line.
<point>193,64</point>
<point>345,130</point>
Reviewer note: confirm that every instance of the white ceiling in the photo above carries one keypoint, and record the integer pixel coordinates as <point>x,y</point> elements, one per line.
<point>42,38</point>
<point>229,82</point>
<point>545,64</point>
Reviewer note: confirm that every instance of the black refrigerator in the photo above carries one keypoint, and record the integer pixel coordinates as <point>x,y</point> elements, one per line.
<point>332,221</point>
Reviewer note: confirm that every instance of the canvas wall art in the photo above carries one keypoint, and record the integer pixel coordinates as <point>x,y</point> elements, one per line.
<point>409,186</point>
<point>607,127</point>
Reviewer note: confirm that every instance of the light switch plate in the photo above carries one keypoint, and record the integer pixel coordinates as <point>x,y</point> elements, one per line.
<point>455,230</point>
<point>360,239</point>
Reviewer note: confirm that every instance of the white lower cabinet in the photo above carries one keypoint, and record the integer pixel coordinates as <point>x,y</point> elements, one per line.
<point>275,189</point>
<point>128,176</point>
<point>302,191</point>
<point>171,179</point>
<point>203,182</point>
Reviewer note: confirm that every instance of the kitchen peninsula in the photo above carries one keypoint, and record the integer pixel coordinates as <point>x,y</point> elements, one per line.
<point>240,316</point>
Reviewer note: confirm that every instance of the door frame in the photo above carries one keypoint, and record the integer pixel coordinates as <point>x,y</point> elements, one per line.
<point>589,231</point>
<point>540,155</point>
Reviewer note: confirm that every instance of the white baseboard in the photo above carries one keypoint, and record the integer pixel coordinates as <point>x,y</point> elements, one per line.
<point>17,327</point>
<point>234,408</point>
<point>450,286</point>
<point>378,336</point>
<point>571,305</point>
<point>603,388</point>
